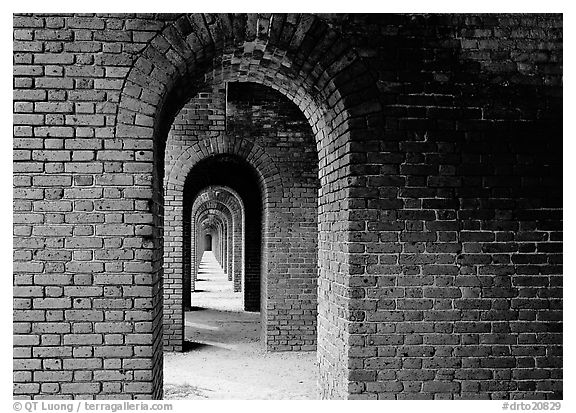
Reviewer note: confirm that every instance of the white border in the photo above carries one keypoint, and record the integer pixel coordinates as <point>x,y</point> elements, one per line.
<point>356,6</point>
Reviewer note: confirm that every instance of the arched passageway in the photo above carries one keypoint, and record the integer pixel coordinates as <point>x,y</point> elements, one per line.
<point>314,80</point>
<point>221,196</point>
<point>233,233</point>
<point>270,133</point>
<point>438,151</point>
<point>216,221</point>
<point>235,173</point>
<point>230,204</point>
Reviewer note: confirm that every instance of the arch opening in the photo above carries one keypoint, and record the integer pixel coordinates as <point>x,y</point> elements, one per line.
<point>286,181</point>
<point>208,242</point>
<point>233,172</point>
<point>328,88</point>
<point>228,203</point>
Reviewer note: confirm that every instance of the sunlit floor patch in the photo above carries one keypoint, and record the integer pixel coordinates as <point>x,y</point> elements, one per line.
<point>224,359</point>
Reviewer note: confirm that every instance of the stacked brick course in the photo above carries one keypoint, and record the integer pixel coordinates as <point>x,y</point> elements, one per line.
<point>438,144</point>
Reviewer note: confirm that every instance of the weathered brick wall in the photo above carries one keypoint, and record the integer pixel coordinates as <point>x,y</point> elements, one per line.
<point>439,210</point>
<point>458,263</point>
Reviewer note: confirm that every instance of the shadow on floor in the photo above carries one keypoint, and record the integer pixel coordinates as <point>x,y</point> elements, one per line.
<point>191,346</point>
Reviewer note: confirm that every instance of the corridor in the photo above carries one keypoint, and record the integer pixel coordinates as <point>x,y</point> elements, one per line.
<point>223,357</point>
<point>385,190</point>
<point>213,290</point>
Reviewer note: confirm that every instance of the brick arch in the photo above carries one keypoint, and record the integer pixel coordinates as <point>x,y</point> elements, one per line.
<point>219,216</point>
<point>230,198</point>
<point>216,228</point>
<point>210,206</point>
<point>176,235</point>
<point>213,221</point>
<point>221,170</point>
<point>269,175</point>
<point>224,262</point>
<point>287,53</point>
<point>216,225</point>
<point>335,91</point>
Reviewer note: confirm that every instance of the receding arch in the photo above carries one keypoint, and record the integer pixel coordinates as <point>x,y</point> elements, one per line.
<point>178,205</point>
<point>269,178</point>
<point>217,223</point>
<point>225,215</point>
<point>237,173</point>
<point>230,200</point>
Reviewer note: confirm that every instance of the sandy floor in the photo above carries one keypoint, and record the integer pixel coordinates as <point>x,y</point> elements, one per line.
<point>223,358</point>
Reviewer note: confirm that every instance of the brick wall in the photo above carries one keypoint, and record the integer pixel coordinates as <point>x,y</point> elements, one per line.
<point>458,250</point>
<point>86,274</point>
<point>438,144</point>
